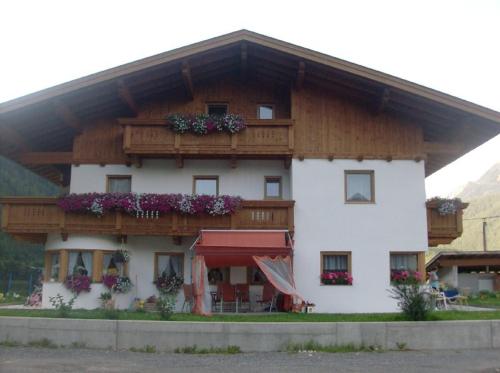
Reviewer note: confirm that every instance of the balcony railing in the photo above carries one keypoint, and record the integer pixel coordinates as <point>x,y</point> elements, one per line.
<point>262,138</point>
<point>33,217</point>
<point>443,229</point>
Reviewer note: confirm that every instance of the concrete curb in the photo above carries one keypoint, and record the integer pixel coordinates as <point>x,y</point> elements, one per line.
<point>251,337</point>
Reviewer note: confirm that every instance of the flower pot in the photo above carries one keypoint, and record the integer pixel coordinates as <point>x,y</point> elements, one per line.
<point>109,304</point>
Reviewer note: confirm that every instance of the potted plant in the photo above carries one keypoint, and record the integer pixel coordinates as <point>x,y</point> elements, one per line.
<point>150,304</point>
<point>107,301</point>
<point>336,278</point>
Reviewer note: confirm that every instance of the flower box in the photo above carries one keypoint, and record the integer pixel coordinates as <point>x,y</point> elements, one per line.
<point>336,278</point>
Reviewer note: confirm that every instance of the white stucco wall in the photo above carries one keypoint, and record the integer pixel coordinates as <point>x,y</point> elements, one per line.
<point>163,176</point>
<point>141,266</point>
<point>324,222</point>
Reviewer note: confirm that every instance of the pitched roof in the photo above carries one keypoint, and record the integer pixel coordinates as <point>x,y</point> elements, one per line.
<point>442,116</point>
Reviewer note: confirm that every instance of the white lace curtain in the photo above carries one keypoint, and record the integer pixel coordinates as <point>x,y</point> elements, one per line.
<point>334,263</point>
<point>170,265</point>
<point>80,258</point>
<point>404,262</point>
<point>359,187</point>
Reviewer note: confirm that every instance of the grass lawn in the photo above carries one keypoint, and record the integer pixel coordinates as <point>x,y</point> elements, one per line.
<point>277,317</point>
<point>489,302</point>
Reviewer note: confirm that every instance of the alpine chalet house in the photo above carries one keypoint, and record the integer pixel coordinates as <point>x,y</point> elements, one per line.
<point>243,165</point>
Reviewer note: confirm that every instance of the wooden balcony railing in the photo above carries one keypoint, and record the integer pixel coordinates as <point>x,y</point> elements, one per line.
<point>443,229</point>
<point>261,138</point>
<point>34,217</point>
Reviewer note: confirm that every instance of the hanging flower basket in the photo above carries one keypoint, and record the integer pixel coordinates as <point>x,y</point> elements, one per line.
<point>203,124</point>
<point>149,205</point>
<point>336,278</point>
<point>121,256</point>
<point>77,283</point>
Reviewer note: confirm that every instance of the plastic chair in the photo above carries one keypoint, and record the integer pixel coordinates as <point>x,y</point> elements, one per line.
<point>269,295</point>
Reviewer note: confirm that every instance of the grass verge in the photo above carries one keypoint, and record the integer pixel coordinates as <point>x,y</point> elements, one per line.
<point>229,350</point>
<point>277,317</point>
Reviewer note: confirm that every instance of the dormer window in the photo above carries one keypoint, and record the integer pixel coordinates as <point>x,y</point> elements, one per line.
<point>217,109</point>
<point>265,111</point>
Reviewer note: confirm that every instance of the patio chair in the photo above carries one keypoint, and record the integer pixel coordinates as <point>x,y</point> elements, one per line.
<point>269,296</point>
<point>188,297</point>
<point>243,296</point>
<point>226,293</point>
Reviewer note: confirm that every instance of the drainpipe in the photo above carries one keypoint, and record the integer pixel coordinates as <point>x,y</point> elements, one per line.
<point>485,247</point>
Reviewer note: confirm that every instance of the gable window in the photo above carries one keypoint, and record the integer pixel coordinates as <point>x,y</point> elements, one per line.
<point>359,187</point>
<point>80,263</point>
<point>336,268</point>
<point>206,185</point>
<point>169,264</point>
<point>272,187</point>
<point>217,109</point>
<point>119,184</point>
<point>265,111</point>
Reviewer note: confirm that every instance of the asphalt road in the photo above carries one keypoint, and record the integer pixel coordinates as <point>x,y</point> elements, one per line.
<point>21,359</point>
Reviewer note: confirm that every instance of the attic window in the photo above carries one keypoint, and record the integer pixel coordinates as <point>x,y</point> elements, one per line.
<point>265,111</point>
<point>217,109</point>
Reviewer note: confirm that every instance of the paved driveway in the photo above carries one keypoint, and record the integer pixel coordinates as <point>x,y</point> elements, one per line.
<point>20,359</point>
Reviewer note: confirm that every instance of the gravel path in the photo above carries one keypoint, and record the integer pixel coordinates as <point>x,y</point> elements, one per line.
<point>22,359</point>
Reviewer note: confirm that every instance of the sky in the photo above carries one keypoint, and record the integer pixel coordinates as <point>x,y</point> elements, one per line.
<point>452,46</point>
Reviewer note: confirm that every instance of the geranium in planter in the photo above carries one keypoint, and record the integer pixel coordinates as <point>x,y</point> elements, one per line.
<point>203,124</point>
<point>169,284</point>
<point>405,277</point>
<point>117,284</point>
<point>77,283</point>
<point>336,278</point>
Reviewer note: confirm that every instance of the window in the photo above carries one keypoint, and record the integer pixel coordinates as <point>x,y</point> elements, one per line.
<point>336,268</point>
<point>265,111</point>
<point>206,185</point>
<point>218,275</point>
<point>272,187</point>
<point>111,267</point>
<point>404,262</point>
<point>169,264</point>
<point>217,109</point>
<point>359,187</point>
<point>54,267</point>
<point>119,184</point>
<point>256,276</point>
<point>80,263</point>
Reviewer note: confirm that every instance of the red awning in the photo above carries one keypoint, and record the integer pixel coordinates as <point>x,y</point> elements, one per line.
<point>236,248</point>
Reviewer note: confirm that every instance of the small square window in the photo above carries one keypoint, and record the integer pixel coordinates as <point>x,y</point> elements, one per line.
<point>359,187</point>
<point>206,185</point>
<point>404,262</point>
<point>265,112</point>
<point>336,268</point>
<point>119,184</point>
<point>217,109</point>
<point>273,187</point>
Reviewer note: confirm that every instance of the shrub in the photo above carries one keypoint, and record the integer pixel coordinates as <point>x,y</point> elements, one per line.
<point>62,308</point>
<point>165,304</point>
<point>414,303</point>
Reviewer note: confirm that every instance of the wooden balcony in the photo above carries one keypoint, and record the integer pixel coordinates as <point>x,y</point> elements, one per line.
<point>443,229</point>
<point>32,218</point>
<point>261,139</point>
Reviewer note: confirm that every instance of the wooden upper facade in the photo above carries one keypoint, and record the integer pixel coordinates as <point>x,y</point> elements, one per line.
<point>323,108</point>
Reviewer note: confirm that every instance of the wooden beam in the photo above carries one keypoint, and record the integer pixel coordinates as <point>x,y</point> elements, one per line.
<point>66,115</point>
<point>188,81</point>
<point>41,158</point>
<point>301,74</point>
<point>244,61</point>
<point>443,148</point>
<point>384,100</point>
<point>126,96</point>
